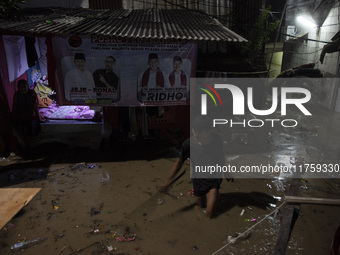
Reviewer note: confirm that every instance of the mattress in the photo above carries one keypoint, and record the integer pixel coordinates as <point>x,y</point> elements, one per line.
<point>67,112</point>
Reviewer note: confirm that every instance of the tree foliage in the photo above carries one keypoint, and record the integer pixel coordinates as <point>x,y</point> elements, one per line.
<point>262,28</point>
<point>9,7</point>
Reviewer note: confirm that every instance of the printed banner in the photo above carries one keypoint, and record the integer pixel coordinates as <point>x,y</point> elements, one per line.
<point>107,71</point>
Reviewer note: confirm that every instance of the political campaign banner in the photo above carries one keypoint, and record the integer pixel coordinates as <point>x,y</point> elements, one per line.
<point>123,72</point>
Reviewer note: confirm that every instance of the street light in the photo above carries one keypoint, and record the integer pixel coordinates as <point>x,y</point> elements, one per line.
<point>306,22</point>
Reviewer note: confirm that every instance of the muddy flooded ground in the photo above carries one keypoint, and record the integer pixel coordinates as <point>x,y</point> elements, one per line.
<point>106,202</point>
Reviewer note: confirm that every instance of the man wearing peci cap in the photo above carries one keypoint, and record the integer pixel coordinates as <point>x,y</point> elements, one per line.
<point>153,77</point>
<point>79,83</point>
<point>177,78</point>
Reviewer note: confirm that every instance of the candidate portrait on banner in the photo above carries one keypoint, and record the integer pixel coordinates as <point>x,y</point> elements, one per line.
<point>152,78</point>
<point>107,81</point>
<point>78,82</point>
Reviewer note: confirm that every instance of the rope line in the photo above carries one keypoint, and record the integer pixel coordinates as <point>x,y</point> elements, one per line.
<point>240,235</point>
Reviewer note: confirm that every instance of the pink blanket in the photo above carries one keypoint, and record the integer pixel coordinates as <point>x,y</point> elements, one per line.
<point>73,112</point>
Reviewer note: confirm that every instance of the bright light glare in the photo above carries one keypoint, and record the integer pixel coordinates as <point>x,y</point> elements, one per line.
<point>306,22</point>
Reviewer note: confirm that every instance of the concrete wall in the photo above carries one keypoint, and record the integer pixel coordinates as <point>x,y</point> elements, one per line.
<point>298,52</point>
<point>55,3</point>
<point>330,27</point>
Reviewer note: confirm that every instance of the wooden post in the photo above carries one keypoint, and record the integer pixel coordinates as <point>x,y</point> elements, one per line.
<point>311,200</point>
<point>290,214</point>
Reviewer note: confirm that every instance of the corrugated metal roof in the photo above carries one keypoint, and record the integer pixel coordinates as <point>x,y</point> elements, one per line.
<point>151,24</point>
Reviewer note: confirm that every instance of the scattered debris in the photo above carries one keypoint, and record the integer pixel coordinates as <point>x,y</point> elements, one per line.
<point>88,246</point>
<point>126,238</point>
<point>280,187</point>
<point>277,198</point>
<point>304,180</point>
<point>8,227</point>
<point>110,248</point>
<point>304,187</point>
<point>250,220</point>
<point>54,206</point>
<point>96,231</point>
<point>26,244</point>
<point>243,236</point>
<point>95,211</point>
<point>293,160</point>
<point>81,166</point>
<point>105,179</point>
<point>160,201</point>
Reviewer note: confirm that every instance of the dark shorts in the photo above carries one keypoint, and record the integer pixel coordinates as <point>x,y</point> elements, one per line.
<point>201,188</point>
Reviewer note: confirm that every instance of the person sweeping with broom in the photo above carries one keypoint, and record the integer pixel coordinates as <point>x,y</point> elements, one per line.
<point>207,150</point>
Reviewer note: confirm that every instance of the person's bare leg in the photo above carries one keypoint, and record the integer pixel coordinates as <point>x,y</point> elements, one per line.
<point>211,202</point>
<point>199,201</point>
